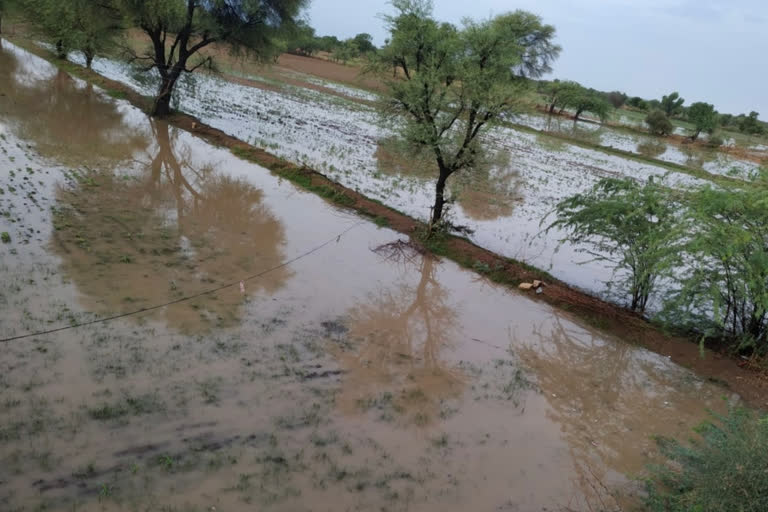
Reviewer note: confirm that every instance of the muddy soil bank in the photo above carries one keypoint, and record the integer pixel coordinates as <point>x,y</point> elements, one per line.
<point>751,385</point>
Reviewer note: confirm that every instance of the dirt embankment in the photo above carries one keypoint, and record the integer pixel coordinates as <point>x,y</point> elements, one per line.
<point>735,374</point>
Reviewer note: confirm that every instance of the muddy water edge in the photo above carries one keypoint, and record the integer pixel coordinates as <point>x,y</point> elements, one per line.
<point>363,376</point>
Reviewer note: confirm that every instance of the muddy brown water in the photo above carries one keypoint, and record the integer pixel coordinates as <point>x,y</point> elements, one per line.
<point>363,376</point>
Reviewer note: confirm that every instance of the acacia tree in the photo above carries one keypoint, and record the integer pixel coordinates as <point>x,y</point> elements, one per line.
<point>658,123</point>
<point>557,93</point>
<point>179,29</point>
<point>704,118</point>
<point>451,84</point>
<point>672,104</point>
<point>583,100</point>
<point>83,25</point>
<point>632,226</point>
<point>750,124</point>
<point>364,43</point>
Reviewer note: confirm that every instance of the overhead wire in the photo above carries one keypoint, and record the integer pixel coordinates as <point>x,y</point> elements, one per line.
<point>336,238</point>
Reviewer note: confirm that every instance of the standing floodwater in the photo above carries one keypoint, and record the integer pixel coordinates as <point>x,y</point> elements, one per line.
<point>362,376</point>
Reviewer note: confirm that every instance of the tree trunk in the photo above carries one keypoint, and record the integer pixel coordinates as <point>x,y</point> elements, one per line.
<point>60,52</point>
<point>695,135</point>
<point>437,209</point>
<point>162,106</point>
<point>88,58</point>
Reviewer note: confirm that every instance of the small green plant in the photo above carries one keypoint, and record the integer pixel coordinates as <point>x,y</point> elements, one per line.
<point>105,491</point>
<point>5,237</point>
<point>166,461</point>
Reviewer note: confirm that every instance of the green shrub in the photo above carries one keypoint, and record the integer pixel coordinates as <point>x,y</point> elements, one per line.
<point>715,141</point>
<point>658,123</point>
<point>725,469</point>
<point>724,291</point>
<point>632,227</point>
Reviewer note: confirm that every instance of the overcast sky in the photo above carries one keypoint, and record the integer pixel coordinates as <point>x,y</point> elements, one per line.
<point>709,50</point>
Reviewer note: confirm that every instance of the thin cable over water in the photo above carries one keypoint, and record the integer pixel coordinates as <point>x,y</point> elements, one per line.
<point>336,238</point>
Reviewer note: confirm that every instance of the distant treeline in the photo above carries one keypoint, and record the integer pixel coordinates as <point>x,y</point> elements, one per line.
<point>560,94</point>
<point>303,41</point>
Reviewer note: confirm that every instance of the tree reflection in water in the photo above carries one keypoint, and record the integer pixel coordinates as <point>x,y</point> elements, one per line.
<point>607,395</point>
<point>393,366</point>
<point>170,228</point>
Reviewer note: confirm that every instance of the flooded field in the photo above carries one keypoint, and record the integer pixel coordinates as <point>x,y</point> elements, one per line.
<point>341,138</point>
<point>225,341</point>
<point>711,161</point>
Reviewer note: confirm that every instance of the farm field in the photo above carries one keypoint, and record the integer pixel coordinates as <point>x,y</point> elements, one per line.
<point>247,345</point>
<point>506,206</point>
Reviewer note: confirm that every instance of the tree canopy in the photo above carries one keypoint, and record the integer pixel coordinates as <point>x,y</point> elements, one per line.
<point>179,29</point>
<point>725,286</point>
<point>557,93</point>
<point>629,225</point>
<point>751,125</point>
<point>452,83</point>
<point>81,25</point>
<point>583,100</point>
<point>672,104</point>
<point>704,118</point>
<point>658,123</point>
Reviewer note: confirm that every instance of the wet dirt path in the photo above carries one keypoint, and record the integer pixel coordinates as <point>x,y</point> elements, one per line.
<point>364,376</point>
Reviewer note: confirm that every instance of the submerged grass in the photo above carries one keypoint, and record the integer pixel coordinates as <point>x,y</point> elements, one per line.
<point>300,176</point>
<point>127,406</point>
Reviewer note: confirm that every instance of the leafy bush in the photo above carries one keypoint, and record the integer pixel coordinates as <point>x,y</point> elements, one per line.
<point>715,141</point>
<point>672,104</point>
<point>631,225</point>
<point>638,103</point>
<point>658,123</point>
<point>724,470</point>
<point>725,290</point>
<point>751,125</point>
<point>616,98</point>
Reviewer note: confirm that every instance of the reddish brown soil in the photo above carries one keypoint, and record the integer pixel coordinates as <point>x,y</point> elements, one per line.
<point>733,373</point>
<point>329,70</point>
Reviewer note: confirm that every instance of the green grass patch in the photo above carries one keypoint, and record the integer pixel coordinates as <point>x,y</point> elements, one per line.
<point>298,177</point>
<point>127,406</point>
<point>119,95</point>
